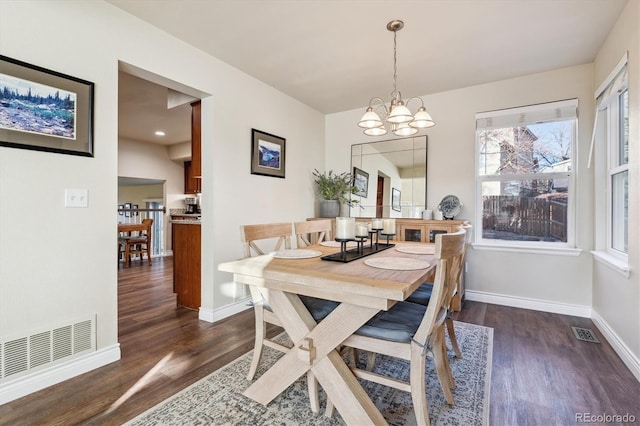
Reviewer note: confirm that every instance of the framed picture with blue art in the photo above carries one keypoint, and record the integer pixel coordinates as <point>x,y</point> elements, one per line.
<point>361,182</point>
<point>44,110</point>
<point>395,199</point>
<point>267,154</point>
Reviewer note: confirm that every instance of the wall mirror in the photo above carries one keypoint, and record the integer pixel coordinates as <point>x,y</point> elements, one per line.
<point>391,177</point>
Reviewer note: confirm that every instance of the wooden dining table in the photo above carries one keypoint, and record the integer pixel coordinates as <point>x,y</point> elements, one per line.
<point>362,290</point>
<point>125,231</point>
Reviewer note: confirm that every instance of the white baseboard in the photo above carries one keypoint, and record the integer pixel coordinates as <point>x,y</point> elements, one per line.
<point>224,312</point>
<point>527,303</point>
<point>623,351</point>
<point>41,379</point>
<point>618,345</point>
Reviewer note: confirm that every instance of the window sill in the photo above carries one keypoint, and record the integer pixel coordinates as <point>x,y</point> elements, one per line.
<point>560,251</point>
<point>618,265</point>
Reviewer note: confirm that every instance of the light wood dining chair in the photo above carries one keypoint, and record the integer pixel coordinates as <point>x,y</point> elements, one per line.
<point>422,295</point>
<point>138,244</point>
<point>409,331</point>
<point>312,232</point>
<point>280,235</point>
<point>276,235</point>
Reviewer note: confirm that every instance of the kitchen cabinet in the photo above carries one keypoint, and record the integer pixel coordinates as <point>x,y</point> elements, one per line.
<point>192,185</point>
<point>193,168</point>
<point>186,243</point>
<point>196,140</point>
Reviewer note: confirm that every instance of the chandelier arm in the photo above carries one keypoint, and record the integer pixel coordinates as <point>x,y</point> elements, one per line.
<point>380,104</point>
<point>415,97</point>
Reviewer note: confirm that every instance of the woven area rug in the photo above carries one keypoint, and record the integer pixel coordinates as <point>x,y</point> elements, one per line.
<point>217,399</point>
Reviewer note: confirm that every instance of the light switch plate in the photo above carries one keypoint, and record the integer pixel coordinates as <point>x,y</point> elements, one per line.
<point>76,197</point>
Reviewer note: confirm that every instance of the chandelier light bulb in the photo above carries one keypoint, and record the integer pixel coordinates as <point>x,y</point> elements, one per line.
<point>370,119</point>
<point>422,119</point>
<point>376,131</point>
<point>404,129</point>
<point>400,114</point>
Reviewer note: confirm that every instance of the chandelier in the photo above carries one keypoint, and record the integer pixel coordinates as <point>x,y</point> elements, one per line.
<point>397,117</point>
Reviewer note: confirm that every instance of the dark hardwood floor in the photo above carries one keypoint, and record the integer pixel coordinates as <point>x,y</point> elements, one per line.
<point>541,374</point>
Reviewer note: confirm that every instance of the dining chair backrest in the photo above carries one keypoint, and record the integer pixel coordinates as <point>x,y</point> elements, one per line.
<point>278,233</point>
<point>149,224</point>
<point>138,243</point>
<point>448,254</point>
<point>147,234</point>
<point>467,241</point>
<point>468,228</point>
<point>312,232</point>
<point>458,268</point>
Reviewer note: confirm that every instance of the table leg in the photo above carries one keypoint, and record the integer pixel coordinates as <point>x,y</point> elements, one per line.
<point>334,375</point>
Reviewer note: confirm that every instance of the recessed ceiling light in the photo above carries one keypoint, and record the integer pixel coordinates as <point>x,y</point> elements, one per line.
<point>160,133</point>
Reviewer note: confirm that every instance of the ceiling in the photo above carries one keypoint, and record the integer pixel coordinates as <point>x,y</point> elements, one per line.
<point>334,55</point>
<point>142,109</point>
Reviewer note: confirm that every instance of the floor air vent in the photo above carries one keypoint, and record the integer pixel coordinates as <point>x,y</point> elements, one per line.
<point>585,334</point>
<point>46,347</point>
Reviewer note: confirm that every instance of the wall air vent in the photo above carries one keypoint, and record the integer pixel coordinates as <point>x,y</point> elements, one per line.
<point>45,347</point>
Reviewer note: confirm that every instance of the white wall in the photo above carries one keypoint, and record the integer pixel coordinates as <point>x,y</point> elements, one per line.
<point>561,282</point>
<point>138,194</point>
<point>180,151</point>
<point>616,299</point>
<point>151,161</point>
<point>74,272</point>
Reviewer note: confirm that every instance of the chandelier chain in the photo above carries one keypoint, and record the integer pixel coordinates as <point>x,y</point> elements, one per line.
<point>395,67</point>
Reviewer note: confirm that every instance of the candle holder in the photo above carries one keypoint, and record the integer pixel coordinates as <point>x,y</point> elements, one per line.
<point>376,232</point>
<point>388,237</point>
<point>361,250</point>
<point>343,246</point>
<point>371,234</point>
<point>360,243</point>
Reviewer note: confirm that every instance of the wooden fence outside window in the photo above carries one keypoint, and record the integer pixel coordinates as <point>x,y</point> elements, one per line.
<point>537,219</point>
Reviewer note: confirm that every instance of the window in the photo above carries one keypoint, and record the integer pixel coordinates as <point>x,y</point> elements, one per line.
<point>157,230</point>
<point>610,150</point>
<point>525,179</point>
<point>618,173</point>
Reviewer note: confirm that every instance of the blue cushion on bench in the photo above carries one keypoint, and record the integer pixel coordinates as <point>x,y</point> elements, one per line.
<point>319,308</point>
<point>398,324</point>
<point>422,295</point>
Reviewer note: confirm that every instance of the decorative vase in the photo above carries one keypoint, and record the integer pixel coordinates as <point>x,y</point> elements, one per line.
<point>329,208</point>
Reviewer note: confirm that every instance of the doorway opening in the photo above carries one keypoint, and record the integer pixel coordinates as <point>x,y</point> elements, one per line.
<point>154,142</point>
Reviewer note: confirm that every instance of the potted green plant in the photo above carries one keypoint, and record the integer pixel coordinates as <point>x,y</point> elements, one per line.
<point>333,189</point>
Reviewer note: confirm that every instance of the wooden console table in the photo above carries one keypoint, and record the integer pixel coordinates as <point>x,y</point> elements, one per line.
<point>422,231</point>
<point>416,230</point>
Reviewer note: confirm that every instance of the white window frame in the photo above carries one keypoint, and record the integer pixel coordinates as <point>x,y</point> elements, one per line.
<point>607,105</point>
<point>539,247</point>
<point>614,141</point>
